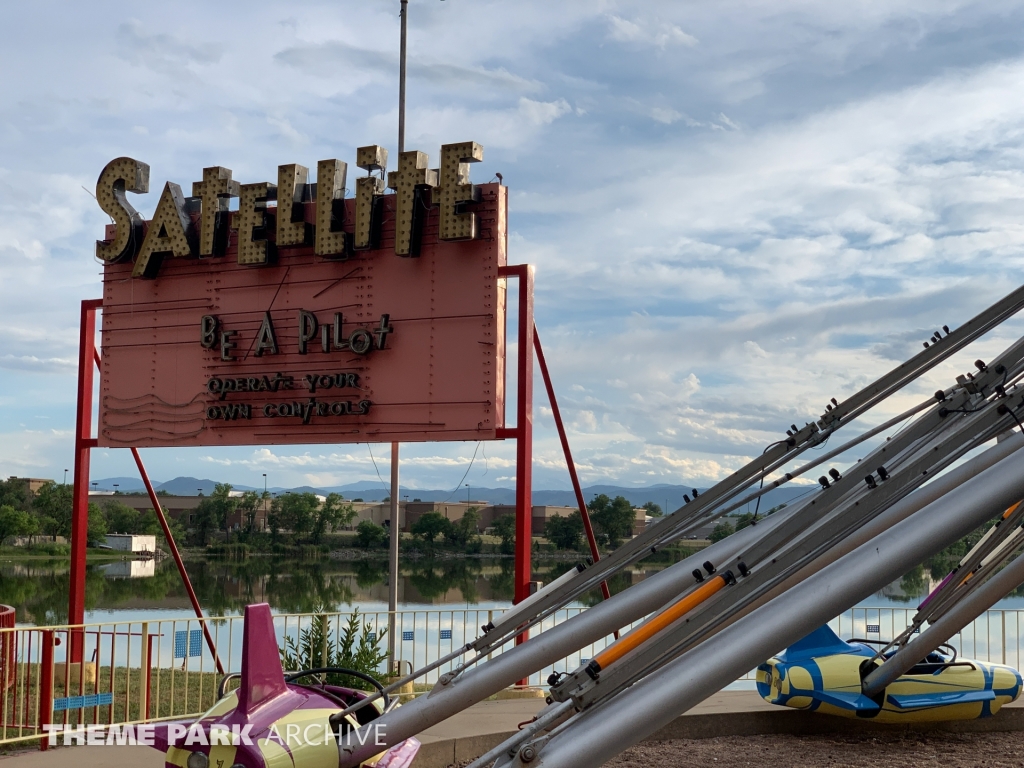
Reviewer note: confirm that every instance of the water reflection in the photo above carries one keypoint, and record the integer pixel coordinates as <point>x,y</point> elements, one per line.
<point>38,589</point>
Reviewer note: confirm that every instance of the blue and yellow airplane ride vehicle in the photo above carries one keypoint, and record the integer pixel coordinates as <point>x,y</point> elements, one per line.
<point>823,673</point>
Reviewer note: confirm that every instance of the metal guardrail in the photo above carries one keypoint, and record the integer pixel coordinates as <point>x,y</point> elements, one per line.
<point>136,671</point>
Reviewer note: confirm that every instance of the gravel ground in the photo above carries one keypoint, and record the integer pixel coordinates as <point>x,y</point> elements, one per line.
<point>914,750</point>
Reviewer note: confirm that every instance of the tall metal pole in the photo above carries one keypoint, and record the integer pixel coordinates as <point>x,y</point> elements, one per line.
<point>401,80</point>
<point>394,524</point>
<point>393,563</point>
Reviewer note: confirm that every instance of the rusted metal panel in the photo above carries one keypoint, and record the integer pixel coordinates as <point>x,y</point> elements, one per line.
<point>414,347</point>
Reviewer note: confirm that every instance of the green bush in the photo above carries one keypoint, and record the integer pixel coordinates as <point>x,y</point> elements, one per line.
<point>355,649</point>
<point>565,532</point>
<point>49,548</point>
<point>720,531</point>
<point>430,526</point>
<point>369,535</point>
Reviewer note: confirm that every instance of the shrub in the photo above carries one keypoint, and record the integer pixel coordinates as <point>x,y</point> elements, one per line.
<point>358,648</point>
<point>565,532</point>
<point>504,527</point>
<point>431,525</point>
<point>720,531</point>
<point>369,535</point>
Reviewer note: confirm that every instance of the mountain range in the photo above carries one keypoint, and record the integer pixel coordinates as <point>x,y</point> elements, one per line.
<point>668,497</point>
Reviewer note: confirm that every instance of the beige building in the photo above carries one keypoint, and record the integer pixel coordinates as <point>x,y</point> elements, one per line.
<point>31,484</point>
<point>181,508</point>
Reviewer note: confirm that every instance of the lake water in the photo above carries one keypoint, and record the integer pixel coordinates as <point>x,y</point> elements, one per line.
<point>134,590</point>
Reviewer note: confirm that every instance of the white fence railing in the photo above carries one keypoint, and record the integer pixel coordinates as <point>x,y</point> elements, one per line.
<point>134,671</point>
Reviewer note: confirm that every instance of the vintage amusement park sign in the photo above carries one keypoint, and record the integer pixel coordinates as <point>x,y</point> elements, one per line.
<point>321,318</point>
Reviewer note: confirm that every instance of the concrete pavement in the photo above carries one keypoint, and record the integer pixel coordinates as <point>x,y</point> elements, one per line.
<point>473,732</point>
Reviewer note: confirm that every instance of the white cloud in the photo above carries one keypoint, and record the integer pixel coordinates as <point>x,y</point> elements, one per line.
<point>658,33</point>
<point>665,115</point>
<point>542,112</point>
<point>737,209</point>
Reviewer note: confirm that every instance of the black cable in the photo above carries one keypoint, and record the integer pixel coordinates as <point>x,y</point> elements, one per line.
<point>1010,411</point>
<point>465,475</point>
<point>761,486</point>
<point>378,471</point>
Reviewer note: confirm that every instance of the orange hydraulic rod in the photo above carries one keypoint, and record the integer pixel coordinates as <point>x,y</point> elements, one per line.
<point>653,626</point>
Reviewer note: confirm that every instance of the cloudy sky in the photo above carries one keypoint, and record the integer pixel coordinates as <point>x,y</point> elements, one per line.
<point>737,209</point>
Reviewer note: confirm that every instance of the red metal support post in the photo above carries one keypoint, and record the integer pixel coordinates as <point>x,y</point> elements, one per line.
<point>523,431</point>
<point>80,488</point>
<point>584,513</point>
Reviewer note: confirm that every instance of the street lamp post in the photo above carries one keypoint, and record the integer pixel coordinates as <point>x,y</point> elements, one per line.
<point>65,477</point>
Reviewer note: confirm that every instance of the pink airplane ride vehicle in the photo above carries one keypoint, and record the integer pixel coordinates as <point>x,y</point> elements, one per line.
<point>274,720</point>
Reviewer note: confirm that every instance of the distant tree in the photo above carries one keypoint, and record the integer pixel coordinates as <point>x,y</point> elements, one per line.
<point>465,529</point>
<point>430,526</point>
<point>720,531</point>
<point>213,513</point>
<point>96,533</point>
<point>16,522</point>
<point>744,520</point>
<point>613,517</point>
<point>205,521</point>
<point>504,527</point>
<point>295,512</point>
<point>13,494</point>
<point>248,503</point>
<point>369,535</point>
<point>333,513</point>
<point>225,506</point>
<point>565,532</point>
<point>654,510</point>
<point>121,518</point>
<point>359,499</point>
<point>149,525</point>
<point>53,505</point>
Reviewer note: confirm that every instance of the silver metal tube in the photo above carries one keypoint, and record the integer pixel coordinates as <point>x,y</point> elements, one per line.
<point>803,469</point>
<point>958,617</point>
<point>396,531</point>
<point>907,506</point>
<point>589,626</point>
<point>510,744</point>
<point>597,735</point>
<point>517,610</point>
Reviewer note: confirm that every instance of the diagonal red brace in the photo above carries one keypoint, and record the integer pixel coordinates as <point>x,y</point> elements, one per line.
<point>584,513</point>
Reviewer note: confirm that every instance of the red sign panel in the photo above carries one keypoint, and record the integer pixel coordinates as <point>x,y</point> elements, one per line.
<point>374,347</point>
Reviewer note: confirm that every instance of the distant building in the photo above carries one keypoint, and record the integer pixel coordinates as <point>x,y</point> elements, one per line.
<point>129,542</point>
<point>31,484</point>
<point>183,509</point>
